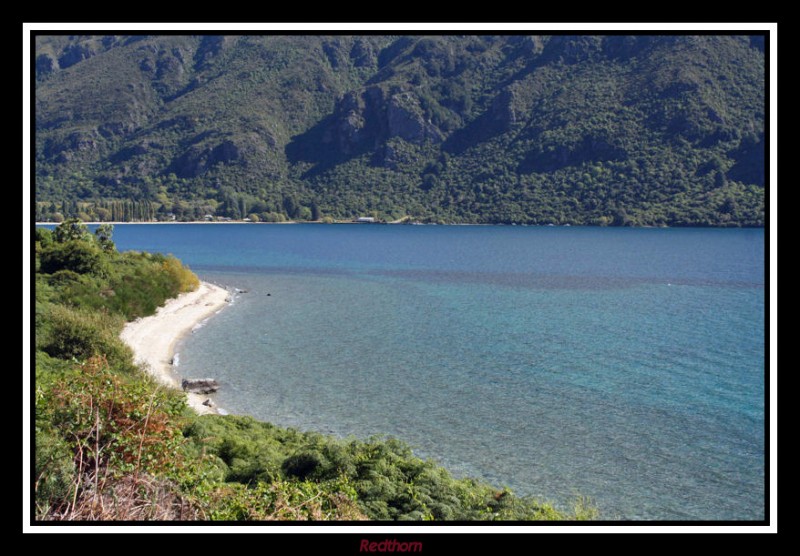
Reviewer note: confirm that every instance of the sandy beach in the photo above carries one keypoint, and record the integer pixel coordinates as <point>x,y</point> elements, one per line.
<point>153,338</point>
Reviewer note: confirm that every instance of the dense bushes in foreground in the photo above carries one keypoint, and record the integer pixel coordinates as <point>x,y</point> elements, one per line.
<point>386,479</point>
<point>112,444</point>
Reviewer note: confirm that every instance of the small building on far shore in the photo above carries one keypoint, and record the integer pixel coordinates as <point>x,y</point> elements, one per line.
<point>365,220</point>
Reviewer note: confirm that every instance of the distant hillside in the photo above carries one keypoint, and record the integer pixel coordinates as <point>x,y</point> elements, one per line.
<point>609,130</point>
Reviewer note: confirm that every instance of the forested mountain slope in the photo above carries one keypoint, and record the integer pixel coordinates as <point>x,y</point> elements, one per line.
<point>650,130</point>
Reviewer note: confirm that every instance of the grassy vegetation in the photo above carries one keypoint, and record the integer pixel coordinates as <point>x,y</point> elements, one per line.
<point>612,130</point>
<point>112,444</point>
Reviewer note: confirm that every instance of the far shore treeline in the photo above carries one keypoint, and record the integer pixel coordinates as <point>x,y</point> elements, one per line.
<point>112,444</point>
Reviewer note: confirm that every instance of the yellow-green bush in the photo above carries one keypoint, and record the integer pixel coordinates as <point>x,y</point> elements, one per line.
<point>185,279</point>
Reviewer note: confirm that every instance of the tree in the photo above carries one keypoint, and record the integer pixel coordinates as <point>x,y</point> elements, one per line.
<point>258,207</point>
<point>81,257</point>
<point>72,229</point>
<point>103,234</point>
<point>290,206</point>
<point>103,214</point>
<point>304,213</point>
<point>43,237</point>
<point>273,217</point>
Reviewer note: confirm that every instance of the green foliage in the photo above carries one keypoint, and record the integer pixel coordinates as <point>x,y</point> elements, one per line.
<point>303,465</point>
<point>500,129</point>
<point>134,414</point>
<point>285,500</point>
<point>81,334</point>
<point>86,271</point>
<point>55,469</point>
<point>96,427</point>
<point>103,233</point>
<point>71,230</point>
<point>75,255</point>
<point>388,481</point>
<point>43,238</point>
<point>108,439</point>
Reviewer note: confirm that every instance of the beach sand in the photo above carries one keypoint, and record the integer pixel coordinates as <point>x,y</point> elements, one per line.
<point>153,338</point>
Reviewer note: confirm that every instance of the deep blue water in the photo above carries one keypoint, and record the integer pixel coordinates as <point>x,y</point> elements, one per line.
<point>626,365</point>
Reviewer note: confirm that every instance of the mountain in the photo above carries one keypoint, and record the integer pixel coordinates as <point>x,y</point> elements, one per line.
<point>619,130</point>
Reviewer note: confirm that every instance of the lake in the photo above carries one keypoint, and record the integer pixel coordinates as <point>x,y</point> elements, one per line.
<point>626,365</point>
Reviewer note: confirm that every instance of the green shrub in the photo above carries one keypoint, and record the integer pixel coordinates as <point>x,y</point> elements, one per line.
<point>389,482</point>
<point>64,277</point>
<point>81,334</point>
<point>285,500</point>
<point>55,470</point>
<point>78,256</point>
<point>43,238</point>
<point>303,465</point>
<point>139,285</point>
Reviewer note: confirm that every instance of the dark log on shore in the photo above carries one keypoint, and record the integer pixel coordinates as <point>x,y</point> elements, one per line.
<point>199,385</point>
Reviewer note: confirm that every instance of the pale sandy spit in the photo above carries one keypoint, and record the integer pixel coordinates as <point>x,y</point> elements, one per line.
<point>153,338</point>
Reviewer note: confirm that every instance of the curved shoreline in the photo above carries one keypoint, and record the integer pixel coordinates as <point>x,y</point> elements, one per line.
<point>153,338</point>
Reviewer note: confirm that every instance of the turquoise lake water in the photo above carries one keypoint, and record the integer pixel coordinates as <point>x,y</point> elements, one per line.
<point>626,365</point>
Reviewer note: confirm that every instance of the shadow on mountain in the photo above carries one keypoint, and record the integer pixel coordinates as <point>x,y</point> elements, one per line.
<point>481,129</point>
<point>320,146</point>
<point>750,166</point>
<point>590,149</point>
